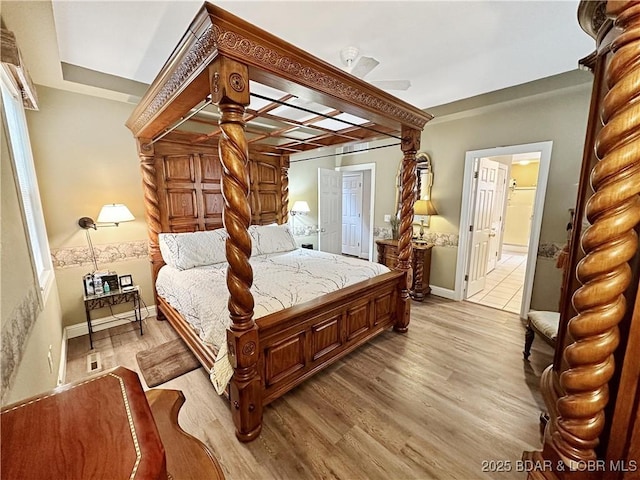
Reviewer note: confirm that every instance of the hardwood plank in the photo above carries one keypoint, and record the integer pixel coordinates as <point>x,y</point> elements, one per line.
<point>429,404</point>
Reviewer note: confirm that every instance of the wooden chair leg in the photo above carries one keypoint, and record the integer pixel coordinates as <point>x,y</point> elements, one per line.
<point>528,341</point>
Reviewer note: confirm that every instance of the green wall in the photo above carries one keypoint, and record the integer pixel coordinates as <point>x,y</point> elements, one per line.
<point>85,157</point>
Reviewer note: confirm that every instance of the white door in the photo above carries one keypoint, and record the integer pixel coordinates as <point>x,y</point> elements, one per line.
<point>497,218</point>
<point>330,210</point>
<point>487,178</point>
<point>352,213</point>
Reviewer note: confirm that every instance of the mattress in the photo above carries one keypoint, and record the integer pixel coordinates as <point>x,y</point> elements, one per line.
<point>280,280</point>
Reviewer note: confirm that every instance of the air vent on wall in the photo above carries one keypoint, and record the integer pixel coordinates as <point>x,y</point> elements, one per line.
<point>352,148</point>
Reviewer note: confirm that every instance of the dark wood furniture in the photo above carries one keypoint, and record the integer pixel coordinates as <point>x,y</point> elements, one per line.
<point>387,252</point>
<point>592,389</point>
<point>421,270</point>
<point>187,457</point>
<point>236,174</point>
<point>100,427</point>
<point>114,297</point>
<point>420,263</point>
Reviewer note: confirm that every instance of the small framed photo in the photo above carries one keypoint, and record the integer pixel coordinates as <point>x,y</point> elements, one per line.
<point>126,281</point>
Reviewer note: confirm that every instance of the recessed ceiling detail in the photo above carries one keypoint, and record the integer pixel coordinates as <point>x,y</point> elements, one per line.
<point>448,51</point>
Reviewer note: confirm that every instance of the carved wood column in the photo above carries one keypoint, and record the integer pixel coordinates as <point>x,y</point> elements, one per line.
<point>230,91</point>
<point>410,146</point>
<point>609,243</point>
<point>150,189</point>
<point>284,188</point>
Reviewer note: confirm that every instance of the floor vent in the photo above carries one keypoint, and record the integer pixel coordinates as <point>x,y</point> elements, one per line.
<point>94,362</point>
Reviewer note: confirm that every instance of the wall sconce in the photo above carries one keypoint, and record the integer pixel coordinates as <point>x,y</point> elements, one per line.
<point>424,208</point>
<point>110,215</point>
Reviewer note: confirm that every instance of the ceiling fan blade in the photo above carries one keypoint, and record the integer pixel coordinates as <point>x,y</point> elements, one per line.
<point>363,66</point>
<point>392,84</point>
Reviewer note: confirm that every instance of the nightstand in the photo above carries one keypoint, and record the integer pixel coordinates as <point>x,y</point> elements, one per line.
<point>421,270</point>
<point>420,263</point>
<point>115,297</point>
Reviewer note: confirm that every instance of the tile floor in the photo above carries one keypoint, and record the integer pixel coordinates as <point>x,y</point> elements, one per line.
<point>503,289</point>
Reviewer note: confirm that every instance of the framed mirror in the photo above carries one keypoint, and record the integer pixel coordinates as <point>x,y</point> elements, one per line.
<point>425,176</point>
<point>424,180</point>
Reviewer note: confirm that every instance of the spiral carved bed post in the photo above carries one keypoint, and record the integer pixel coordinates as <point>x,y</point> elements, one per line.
<point>609,243</point>
<point>150,189</point>
<point>410,146</point>
<point>284,188</point>
<point>230,91</point>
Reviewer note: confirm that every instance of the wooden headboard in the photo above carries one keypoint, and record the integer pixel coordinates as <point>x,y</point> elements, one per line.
<point>182,186</point>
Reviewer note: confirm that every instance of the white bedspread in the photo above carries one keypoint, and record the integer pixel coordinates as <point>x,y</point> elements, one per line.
<point>280,280</point>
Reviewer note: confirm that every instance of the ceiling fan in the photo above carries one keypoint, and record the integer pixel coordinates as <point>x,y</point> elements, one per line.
<point>364,65</point>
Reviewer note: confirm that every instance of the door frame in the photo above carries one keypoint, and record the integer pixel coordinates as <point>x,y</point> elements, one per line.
<point>371,167</point>
<point>536,222</point>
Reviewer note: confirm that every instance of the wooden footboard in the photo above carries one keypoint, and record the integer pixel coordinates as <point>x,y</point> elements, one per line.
<point>298,342</point>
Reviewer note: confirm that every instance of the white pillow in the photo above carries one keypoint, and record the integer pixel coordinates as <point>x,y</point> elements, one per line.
<point>271,239</point>
<point>193,249</point>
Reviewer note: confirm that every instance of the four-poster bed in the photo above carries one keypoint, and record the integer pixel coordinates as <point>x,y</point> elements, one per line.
<point>592,390</point>
<point>234,173</point>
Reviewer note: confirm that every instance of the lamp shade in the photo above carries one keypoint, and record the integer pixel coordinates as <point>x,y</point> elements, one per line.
<point>300,207</point>
<point>424,207</point>
<point>115,213</point>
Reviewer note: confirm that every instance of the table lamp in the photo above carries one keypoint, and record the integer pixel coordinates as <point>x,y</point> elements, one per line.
<point>424,207</point>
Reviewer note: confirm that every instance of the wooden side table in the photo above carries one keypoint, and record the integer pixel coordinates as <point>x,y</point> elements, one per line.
<point>421,270</point>
<point>99,427</point>
<point>420,262</point>
<point>387,252</point>
<point>115,297</point>
<point>187,457</point>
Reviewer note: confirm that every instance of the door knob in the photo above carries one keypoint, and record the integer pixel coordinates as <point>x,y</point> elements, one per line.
<point>323,230</point>
<point>492,234</point>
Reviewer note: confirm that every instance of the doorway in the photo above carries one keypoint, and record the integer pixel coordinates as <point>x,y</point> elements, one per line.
<point>503,201</point>
<point>366,174</point>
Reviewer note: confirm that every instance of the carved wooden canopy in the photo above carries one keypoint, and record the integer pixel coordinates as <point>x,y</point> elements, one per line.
<point>298,102</point>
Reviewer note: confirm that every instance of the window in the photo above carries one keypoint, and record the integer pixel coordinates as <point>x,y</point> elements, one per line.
<point>18,139</point>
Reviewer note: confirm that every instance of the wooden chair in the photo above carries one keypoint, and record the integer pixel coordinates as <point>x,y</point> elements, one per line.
<point>545,324</point>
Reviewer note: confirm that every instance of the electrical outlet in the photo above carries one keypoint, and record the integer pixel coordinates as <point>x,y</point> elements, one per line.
<point>387,218</point>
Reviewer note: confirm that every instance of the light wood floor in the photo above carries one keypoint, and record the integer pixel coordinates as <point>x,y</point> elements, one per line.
<point>431,404</point>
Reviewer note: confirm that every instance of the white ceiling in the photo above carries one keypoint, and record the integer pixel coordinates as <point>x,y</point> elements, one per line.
<point>448,50</point>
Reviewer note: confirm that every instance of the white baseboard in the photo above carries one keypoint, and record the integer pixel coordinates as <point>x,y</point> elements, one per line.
<point>515,248</point>
<point>443,292</point>
<point>62,369</point>
<point>79,329</point>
